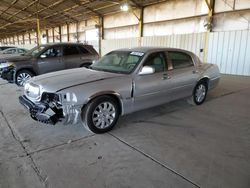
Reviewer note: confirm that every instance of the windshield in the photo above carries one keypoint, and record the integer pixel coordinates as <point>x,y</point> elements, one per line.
<point>35,50</point>
<point>119,62</point>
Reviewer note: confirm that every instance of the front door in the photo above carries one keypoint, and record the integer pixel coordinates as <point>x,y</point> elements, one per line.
<point>50,60</point>
<point>151,90</point>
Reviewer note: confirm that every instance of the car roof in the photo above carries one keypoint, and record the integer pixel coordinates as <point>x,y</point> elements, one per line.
<point>6,47</point>
<point>151,49</point>
<point>10,48</point>
<point>14,48</point>
<point>65,43</point>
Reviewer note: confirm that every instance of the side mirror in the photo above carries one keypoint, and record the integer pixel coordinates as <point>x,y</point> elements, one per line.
<point>147,70</point>
<point>43,56</point>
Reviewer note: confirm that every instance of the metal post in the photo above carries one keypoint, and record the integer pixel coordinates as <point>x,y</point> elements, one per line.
<point>60,33</point>
<point>67,32</point>
<point>47,35</point>
<point>210,6</point>
<point>53,34</point>
<point>38,32</point>
<point>23,39</point>
<point>141,22</point>
<point>101,34</point>
<point>77,31</point>
<point>29,38</point>
<point>18,39</point>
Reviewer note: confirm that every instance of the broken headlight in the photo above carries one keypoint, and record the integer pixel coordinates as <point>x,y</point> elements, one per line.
<point>31,90</point>
<point>50,97</point>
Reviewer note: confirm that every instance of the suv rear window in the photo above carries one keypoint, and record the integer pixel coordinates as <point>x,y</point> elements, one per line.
<point>91,49</point>
<point>83,50</point>
<point>70,50</point>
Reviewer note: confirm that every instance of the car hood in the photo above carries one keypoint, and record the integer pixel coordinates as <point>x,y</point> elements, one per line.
<point>57,81</point>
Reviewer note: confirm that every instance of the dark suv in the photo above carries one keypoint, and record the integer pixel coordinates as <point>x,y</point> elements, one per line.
<point>47,58</point>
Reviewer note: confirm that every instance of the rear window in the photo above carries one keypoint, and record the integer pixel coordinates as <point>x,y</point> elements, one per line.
<point>70,50</point>
<point>180,60</point>
<point>83,50</point>
<point>91,49</point>
<point>21,51</point>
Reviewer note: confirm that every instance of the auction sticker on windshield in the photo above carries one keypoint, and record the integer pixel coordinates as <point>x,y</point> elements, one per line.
<point>137,53</point>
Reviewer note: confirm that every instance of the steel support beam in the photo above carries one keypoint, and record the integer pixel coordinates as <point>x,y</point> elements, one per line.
<point>101,34</point>
<point>209,26</point>
<point>47,35</point>
<point>68,32</point>
<point>29,38</point>
<point>23,39</point>
<point>60,33</point>
<point>53,34</point>
<point>18,39</point>
<point>38,32</point>
<point>141,22</point>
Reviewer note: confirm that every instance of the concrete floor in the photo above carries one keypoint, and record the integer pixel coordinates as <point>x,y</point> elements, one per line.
<point>174,145</point>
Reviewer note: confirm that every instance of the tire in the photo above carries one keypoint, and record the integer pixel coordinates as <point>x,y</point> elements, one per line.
<point>86,65</point>
<point>199,93</point>
<point>101,114</point>
<point>22,76</point>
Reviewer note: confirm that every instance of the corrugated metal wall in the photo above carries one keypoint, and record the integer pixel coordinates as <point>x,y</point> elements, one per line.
<point>112,44</point>
<point>229,50</point>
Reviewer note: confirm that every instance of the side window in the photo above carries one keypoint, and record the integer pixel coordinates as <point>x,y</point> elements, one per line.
<point>11,51</point>
<point>180,60</point>
<point>157,61</point>
<point>70,50</point>
<point>83,50</point>
<point>20,51</point>
<point>52,52</point>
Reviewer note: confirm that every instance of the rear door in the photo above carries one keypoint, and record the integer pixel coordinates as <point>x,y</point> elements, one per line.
<point>71,56</point>
<point>50,60</point>
<point>183,74</point>
<point>88,55</point>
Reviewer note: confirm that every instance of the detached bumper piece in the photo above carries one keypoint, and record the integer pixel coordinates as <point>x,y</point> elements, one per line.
<point>8,74</point>
<point>42,112</point>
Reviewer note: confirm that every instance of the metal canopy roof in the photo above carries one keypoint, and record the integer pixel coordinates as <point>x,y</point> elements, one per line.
<point>19,16</point>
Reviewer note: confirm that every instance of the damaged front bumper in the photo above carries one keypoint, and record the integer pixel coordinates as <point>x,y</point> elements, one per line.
<point>49,114</point>
<point>8,73</point>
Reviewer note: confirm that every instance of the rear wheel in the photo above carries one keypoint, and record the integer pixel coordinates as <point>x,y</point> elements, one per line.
<point>101,114</point>
<point>22,76</point>
<point>200,93</point>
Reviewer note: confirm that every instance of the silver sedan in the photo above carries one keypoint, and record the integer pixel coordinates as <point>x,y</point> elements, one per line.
<point>121,82</point>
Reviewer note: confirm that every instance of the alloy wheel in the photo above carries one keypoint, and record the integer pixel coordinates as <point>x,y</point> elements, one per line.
<point>200,93</point>
<point>22,78</point>
<point>104,115</point>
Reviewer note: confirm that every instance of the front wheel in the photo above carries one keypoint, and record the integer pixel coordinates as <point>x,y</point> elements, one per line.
<point>101,114</point>
<point>22,76</point>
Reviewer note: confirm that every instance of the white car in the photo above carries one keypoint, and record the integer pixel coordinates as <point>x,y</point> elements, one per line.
<point>121,82</point>
<point>12,52</point>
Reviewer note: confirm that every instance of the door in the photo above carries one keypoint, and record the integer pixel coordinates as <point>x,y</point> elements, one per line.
<point>71,56</point>
<point>50,60</point>
<point>87,55</point>
<point>151,90</point>
<point>183,74</point>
